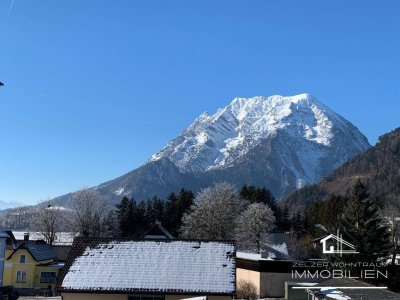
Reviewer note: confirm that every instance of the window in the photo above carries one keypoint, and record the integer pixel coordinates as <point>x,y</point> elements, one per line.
<point>21,276</point>
<point>47,277</point>
<point>146,297</point>
<point>22,259</point>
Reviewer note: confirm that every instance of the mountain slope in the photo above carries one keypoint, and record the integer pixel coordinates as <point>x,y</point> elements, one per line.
<point>378,167</point>
<point>279,142</point>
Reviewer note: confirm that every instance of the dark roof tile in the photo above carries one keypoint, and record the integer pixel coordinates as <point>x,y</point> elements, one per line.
<point>38,249</point>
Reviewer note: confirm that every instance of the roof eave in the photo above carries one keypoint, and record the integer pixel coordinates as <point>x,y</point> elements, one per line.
<point>129,291</point>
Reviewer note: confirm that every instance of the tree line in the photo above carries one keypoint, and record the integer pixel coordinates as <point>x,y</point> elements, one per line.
<point>217,212</point>
<point>223,212</point>
<point>365,220</point>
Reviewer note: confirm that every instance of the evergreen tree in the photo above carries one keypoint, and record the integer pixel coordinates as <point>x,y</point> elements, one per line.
<point>327,213</point>
<point>122,208</point>
<point>362,226</point>
<point>154,211</point>
<point>175,207</point>
<point>171,217</point>
<point>140,221</point>
<point>283,220</point>
<point>258,195</point>
<point>298,223</point>
<point>125,214</point>
<point>248,192</point>
<point>185,200</point>
<point>134,220</point>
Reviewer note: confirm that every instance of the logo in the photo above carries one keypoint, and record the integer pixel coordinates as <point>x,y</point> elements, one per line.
<point>333,244</point>
<point>338,269</point>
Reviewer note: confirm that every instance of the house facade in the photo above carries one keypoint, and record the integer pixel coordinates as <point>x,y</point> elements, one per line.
<point>28,264</point>
<point>163,269</point>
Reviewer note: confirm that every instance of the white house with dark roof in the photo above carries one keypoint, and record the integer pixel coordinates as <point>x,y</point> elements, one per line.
<point>148,269</point>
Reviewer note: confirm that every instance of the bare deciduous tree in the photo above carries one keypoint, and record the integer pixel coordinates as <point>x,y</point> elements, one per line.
<point>48,220</point>
<point>89,211</point>
<point>213,213</point>
<point>391,213</point>
<point>246,290</point>
<point>252,224</point>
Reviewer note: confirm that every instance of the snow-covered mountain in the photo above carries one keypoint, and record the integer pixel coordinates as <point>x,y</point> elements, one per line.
<point>279,142</point>
<point>219,141</point>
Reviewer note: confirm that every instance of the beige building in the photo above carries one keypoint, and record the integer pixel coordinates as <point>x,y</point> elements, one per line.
<point>148,270</point>
<point>266,275</point>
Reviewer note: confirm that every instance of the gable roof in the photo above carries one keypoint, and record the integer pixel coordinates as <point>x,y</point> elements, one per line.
<point>158,232</point>
<point>145,266</point>
<point>274,251</point>
<point>39,250</point>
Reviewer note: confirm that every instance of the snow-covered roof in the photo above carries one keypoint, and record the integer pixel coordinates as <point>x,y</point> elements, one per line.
<point>250,256</point>
<point>62,238</point>
<point>274,251</point>
<point>280,247</point>
<point>162,266</point>
<point>329,293</point>
<point>268,252</point>
<point>196,298</point>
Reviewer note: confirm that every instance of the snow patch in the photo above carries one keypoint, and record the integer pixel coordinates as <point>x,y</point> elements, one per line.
<point>119,191</point>
<point>331,293</point>
<point>250,256</point>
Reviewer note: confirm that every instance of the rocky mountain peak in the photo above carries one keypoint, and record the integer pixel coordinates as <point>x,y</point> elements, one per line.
<point>216,141</point>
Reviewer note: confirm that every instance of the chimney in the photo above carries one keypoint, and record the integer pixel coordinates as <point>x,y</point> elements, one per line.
<point>26,236</point>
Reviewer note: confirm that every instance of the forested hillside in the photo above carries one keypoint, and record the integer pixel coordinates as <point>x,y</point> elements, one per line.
<point>378,168</point>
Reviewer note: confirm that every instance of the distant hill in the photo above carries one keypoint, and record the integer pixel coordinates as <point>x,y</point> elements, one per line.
<point>378,167</point>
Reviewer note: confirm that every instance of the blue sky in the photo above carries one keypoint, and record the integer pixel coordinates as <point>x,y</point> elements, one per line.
<point>93,88</point>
